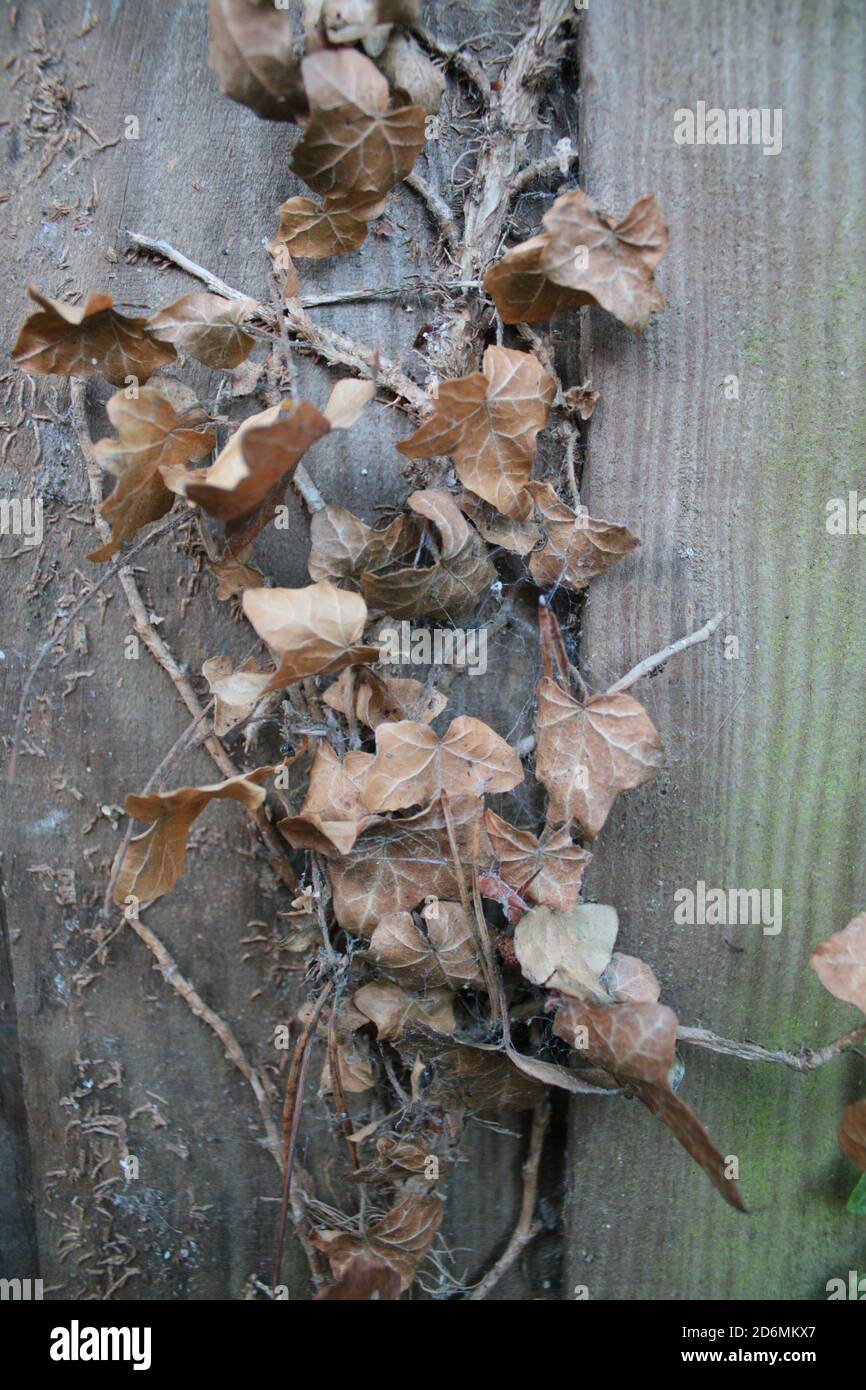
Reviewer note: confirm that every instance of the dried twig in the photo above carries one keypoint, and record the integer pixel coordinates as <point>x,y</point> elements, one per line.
<point>527,1227</point>
<point>439,210</point>
<point>656,662</point>
<point>807,1060</point>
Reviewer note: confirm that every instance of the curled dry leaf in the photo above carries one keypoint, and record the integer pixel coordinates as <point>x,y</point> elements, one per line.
<point>630,980</point>
<point>353,144</point>
<point>453,584</point>
<point>636,1045</point>
<point>347,400</point>
<point>488,423</point>
<point>93,337</point>
<point>396,1012</point>
<point>153,862</point>
<point>312,630</point>
<point>852,1133</point>
<point>235,574</point>
<point>397,1241</point>
<point>206,327</point>
<point>149,435</point>
<point>545,870</point>
<point>840,963</point>
<point>342,546</point>
<point>354,1066</point>
<point>333,808</point>
<point>446,956</point>
<point>587,754</point>
<point>383,699</point>
<point>252,52</point>
<point>584,257</point>
<point>246,483</point>
<point>517,536</point>
<point>414,765</point>
<point>410,71</point>
<point>567,950</point>
<point>362,1281</point>
<point>236,692</point>
<point>577,548</point>
<point>310,230</point>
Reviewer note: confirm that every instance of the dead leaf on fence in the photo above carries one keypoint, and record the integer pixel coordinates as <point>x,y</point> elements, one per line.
<point>153,862</point>
<point>567,950</point>
<point>342,546</point>
<point>347,401</point>
<point>445,956</point>
<point>546,870</point>
<point>636,1045</point>
<point>630,980</point>
<point>840,963</point>
<point>577,548</point>
<point>206,327</point>
<point>333,807</point>
<point>451,586</point>
<point>314,630</point>
<point>311,230</point>
<point>383,699</point>
<point>252,52</point>
<point>355,1068</point>
<point>587,754</point>
<point>236,692</point>
<point>488,423</point>
<point>149,434</point>
<point>414,765</point>
<point>852,1133</point>
<point>410,71</point>
<point>93,337</point>
<point>517,536</point>
<point>521,290</point>
<point>362,1281</point>
<point>353,144</point>
<point>397,1241</point>
<point>235,574</point>
<point>395,1012</point>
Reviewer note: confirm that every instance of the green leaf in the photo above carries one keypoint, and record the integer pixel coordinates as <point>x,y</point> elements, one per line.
<point>857,1200</point>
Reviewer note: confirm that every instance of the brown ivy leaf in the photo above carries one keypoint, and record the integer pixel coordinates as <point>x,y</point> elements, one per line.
<point>347,401</point>
<point>236,692</point>
<point>383,699</point>
<point>397,1241</point>
<point>396,1012</point>
<point>567,950</point>
<point>362,1281</point>
<point>517,536</point>
<point>153,862</point>
<point>354,1066</point>
<point>411,72</point>
<point>312,630</point>
<point>584,257</point>
<point>311,230</point>
<point>149,434</point>
<point>445,956</point>
<point>488,423</point>
<point>245,485</point>
<point>397,863</point>
<point>587,754</point>
<point>852,1133</point>
<point>636,1045</point>
<point>252,52</point>
<point>235,574</point>
<point>577,548</point>
<point>453,585</point>
<point>352,144</point>
<point>93,337</point>
<point>333,807</point>
<point>630,980</point>
<point>414,765</point>
<point>342,546</point>
<point>840,963</point>
<point>206,327</point>
<point>548,870</point>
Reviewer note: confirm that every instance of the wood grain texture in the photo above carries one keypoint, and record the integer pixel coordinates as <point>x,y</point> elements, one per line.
<point>765,779</point>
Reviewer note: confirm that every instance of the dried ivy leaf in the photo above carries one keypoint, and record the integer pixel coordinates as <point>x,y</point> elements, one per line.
<point>342,546</point>
<point>584,257</point>
<point>354,1066</point>
<point>577,548</point>
<point>852,1133</point>
<point>840,963</point>
<point>636,1044</point>
<point>587,754</point>
<point>149,434</point>
<point>488,423</point>
<point>453,585</point>
<point>347,400</point>
<point>153,862</point>
<point>333,807</point>
<point>312,630</point>
<point>206,327</point>
<point>353,144</point>
<point>383,699</point>
<point>311,230</point>
<point>235,574</point>
<point>252,52</point>
<point>410,71</point>
<point>397,863</point>
<point>630,980</point>
<point>245,485</point>
<point>447,955</point>
<point>396,1012</point>
<point>93,337</point>
<point>397,1241</point>
<point>414,765</point>
<point>567,950</point>
<point>547,870</point>
<point>517,536</point>
<point>236,692</point>
<point>362,1281</point>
